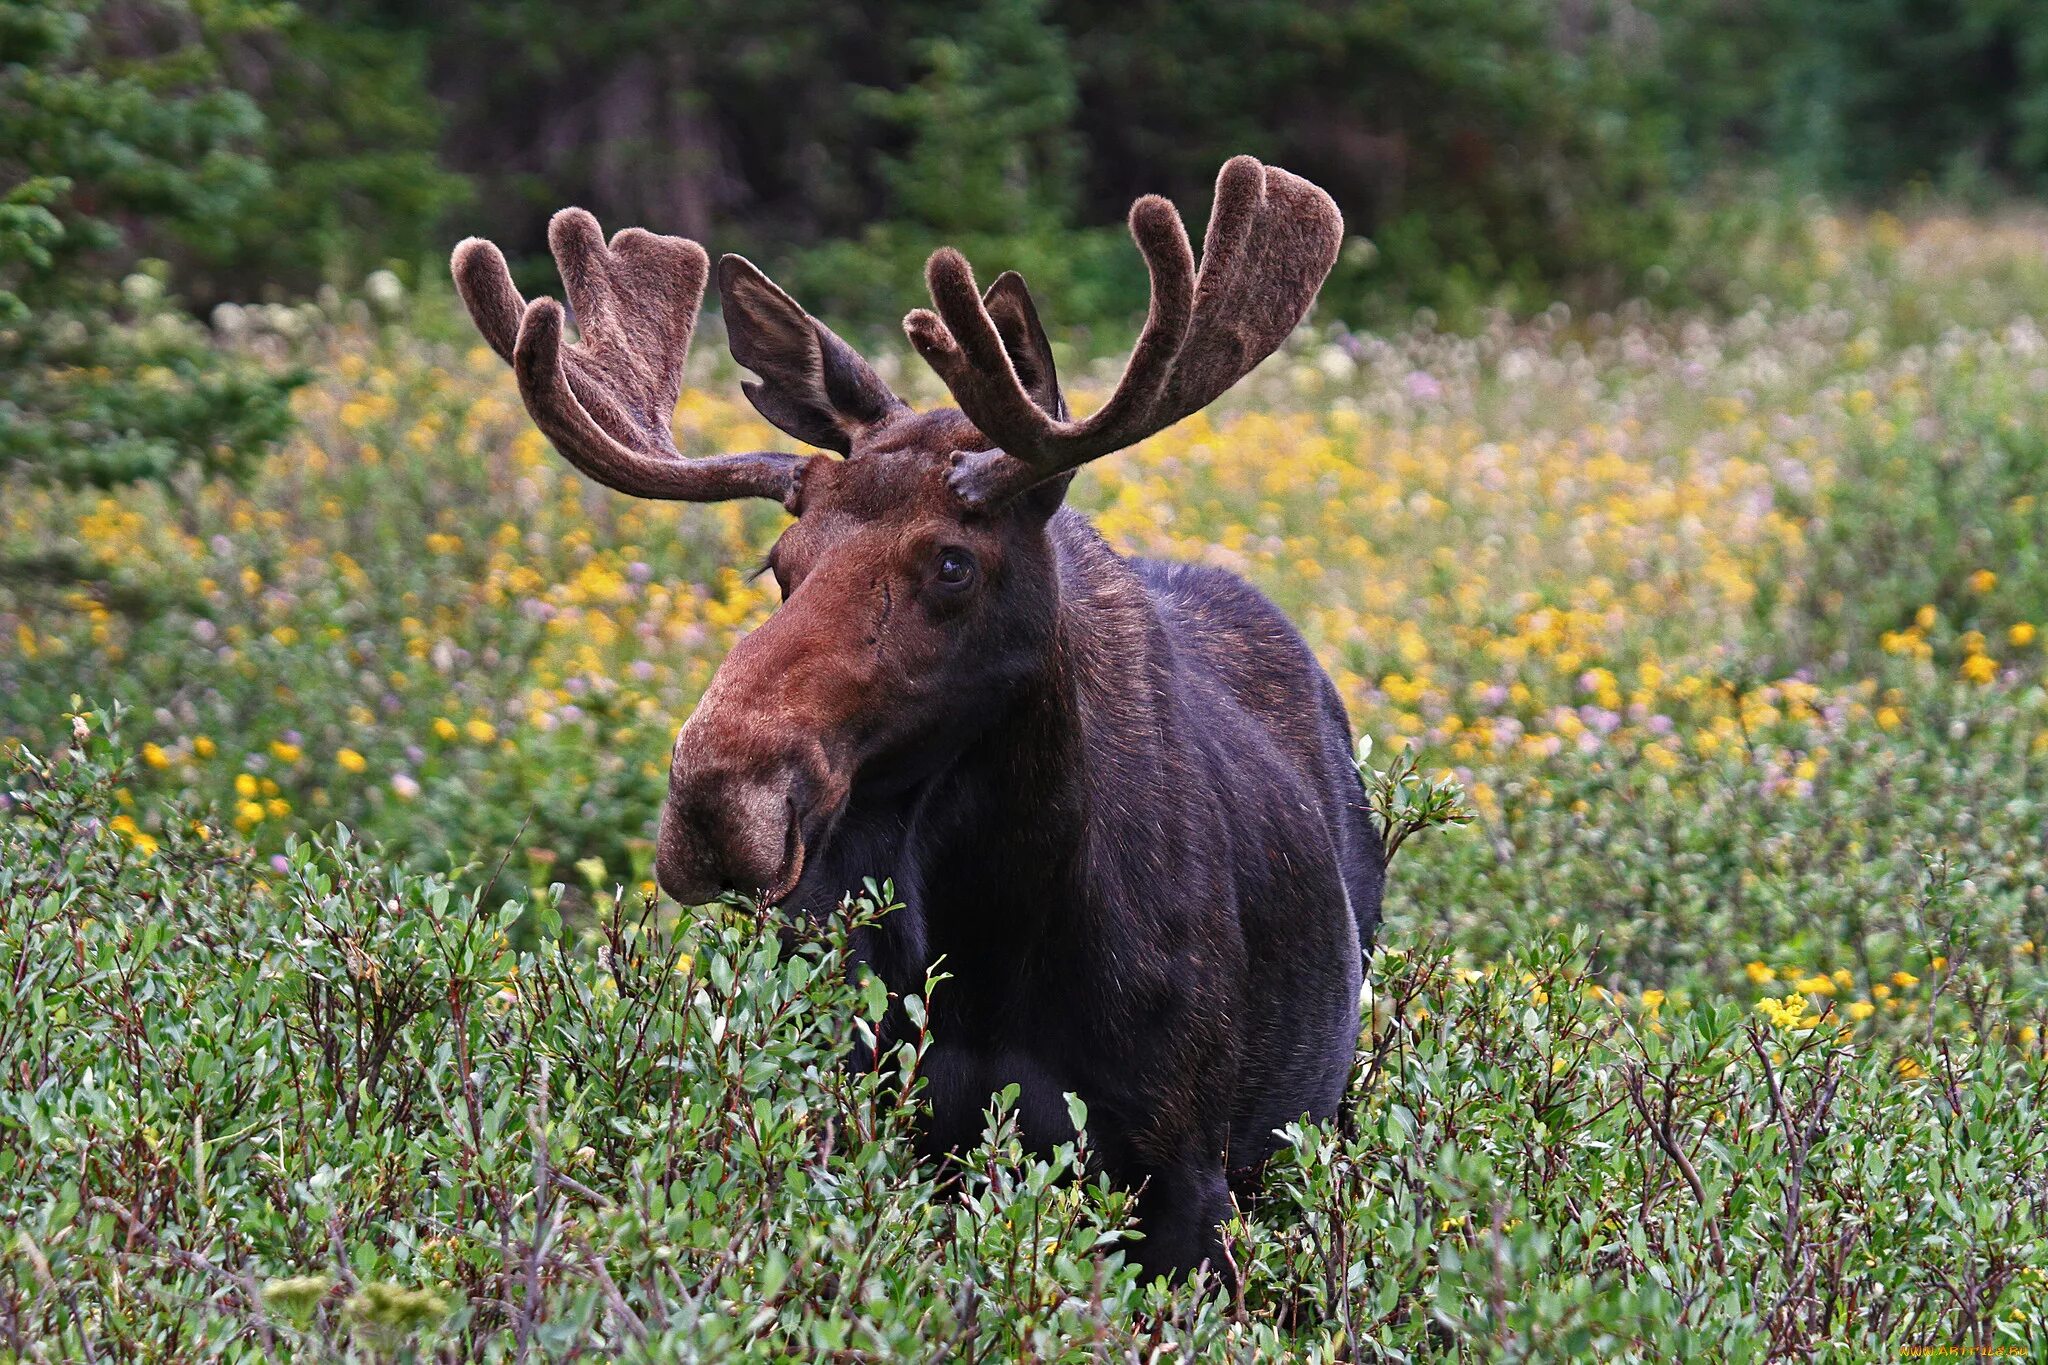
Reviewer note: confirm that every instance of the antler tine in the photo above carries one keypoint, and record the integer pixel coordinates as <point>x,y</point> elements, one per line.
<point>962,342</point>
<point>605,401</point>
<point>1271,241</point>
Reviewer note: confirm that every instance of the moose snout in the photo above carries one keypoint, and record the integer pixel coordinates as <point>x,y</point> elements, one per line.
<point>763,765</point>
<point>734,827</point>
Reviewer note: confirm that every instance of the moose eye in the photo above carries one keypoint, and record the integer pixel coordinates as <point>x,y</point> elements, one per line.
<point>955,569</point>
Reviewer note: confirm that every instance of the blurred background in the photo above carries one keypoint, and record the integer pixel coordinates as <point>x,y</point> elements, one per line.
<point>1486,153</point>
<point>1490,151</point>
<point>1679,348</point>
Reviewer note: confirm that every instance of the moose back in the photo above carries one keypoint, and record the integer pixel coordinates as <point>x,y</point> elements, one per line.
<point>1114,794</point>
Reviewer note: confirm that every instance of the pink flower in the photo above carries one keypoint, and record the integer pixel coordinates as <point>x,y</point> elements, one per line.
<point>1423,387</point>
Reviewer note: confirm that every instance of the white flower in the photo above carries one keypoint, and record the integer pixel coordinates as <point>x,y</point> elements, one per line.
<point>385,290</point>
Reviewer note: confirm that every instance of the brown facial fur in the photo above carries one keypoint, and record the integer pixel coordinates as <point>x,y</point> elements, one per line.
<point>872,659</point>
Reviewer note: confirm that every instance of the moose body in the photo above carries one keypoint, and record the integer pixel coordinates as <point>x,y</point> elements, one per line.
<point>1148,879</point>
<point>1114,795</point>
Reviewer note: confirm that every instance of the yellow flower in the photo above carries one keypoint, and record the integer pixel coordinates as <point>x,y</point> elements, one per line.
<point>1652,1000</point>
<point>445,728</point>
<point>2020,636</point>
<point>482,731</point>
<point>203,747</point>
<point>1759,973</point>
<point>1925,618</point>
<point>1815,985</point>
<point>1888,717</point>
<point>1789,1013</point>
<point>1939,964</point>
<point>1905,980</point>
<point>1983,581</point>
<point>1861,1009</point>
<point>278,807</point>
<point>155,757</point>
<point>1980,668</point>
<point>285,752</point>
<point>248,815</point>
<point>245,784</point>
<point>350,760</point>
<point>1910,1069</point>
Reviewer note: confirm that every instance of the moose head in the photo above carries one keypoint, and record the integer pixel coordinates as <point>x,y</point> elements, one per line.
<point>918,584</point>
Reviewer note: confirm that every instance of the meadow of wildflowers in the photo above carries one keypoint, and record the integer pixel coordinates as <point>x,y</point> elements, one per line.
<point>1717,1031</point>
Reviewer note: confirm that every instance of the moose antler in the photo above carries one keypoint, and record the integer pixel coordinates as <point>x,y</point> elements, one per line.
<point>606,401</point>
<point>1271,242</point>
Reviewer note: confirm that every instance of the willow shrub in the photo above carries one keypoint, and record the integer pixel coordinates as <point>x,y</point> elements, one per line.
<point>309,1106</point>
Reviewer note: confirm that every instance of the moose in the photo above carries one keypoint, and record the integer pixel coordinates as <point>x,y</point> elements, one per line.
<point>1115,795</point>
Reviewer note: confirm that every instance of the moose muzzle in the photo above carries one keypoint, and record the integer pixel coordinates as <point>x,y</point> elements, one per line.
<point>753,778</point>
<point>725,830</point>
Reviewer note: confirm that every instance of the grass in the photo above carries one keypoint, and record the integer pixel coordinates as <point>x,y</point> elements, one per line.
<point>1717,1032</point>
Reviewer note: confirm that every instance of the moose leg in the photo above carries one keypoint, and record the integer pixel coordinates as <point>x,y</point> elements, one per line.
<point>1181,1208</point>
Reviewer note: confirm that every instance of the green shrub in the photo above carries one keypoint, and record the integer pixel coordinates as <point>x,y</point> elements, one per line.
<point>351,136</point>
<point>316,1106</point>
<point>115,141</point>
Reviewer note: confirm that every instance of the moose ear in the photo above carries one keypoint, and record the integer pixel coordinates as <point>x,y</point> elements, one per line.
<point>1016,318</point>
<point>813,385</point>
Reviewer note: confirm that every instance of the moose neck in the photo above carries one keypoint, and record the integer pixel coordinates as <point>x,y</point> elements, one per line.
<point>1002,835</point>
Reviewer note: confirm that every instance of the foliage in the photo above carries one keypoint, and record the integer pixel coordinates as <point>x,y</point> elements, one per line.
<point>990,166</point>
<point>1488,150</point>
<point>1866,97</point>
<point>1484,147</point>
<point>1714,1032</point>
<point>117,134</point>
<point>1895,91</point>
<point>1587,562</point>
<point>351,136</point>
<point>1404,801</point>
<point>337,1112</point>
<point>1486,154</point>
<point>989,147</point>
<point>325,1107</point>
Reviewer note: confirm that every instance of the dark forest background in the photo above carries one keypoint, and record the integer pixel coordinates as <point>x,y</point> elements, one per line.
<point>1485,152</point>
<point>1537,143</point>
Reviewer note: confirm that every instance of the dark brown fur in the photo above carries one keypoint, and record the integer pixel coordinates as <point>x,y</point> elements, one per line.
<point>1114,795</point>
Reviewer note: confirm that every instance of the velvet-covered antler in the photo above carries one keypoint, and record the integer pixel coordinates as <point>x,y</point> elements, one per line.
<point>1271,242</point>
<point>606,401</point>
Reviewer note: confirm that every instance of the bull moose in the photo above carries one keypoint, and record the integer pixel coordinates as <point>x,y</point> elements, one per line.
<point>1114,795</point>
